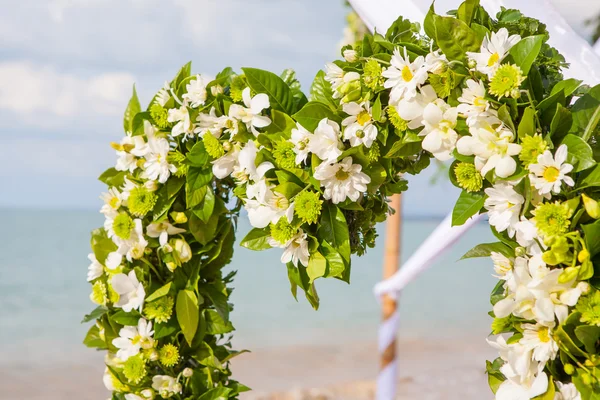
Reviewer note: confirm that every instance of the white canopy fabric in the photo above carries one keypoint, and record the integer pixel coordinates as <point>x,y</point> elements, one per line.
<point>597,47</point>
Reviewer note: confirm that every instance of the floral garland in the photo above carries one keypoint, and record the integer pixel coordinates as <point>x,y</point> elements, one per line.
<point>314,177</point>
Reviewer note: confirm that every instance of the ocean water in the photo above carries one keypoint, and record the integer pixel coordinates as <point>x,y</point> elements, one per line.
<point>44,293</point>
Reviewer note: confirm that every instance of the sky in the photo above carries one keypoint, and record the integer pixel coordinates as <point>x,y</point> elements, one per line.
<point>67,68</point>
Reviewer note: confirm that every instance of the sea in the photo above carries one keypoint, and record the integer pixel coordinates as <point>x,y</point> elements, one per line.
<point>44,293</point>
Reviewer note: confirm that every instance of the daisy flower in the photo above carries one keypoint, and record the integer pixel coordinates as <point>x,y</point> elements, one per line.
<point>404,77</point>
<point>493,50</point>
<point>134,338</point>
<point>360,128</point>
<point>342,180</point>
<point>551,171</point>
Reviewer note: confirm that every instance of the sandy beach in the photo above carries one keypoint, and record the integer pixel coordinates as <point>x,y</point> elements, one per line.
<point>428,370</point>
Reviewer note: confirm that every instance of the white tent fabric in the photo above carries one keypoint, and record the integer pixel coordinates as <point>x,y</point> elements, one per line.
<point>597,47</point>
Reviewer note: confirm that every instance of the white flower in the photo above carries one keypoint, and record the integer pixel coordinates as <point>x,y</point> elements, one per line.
<point>567,391</point>
<point>411,110</point>
<point>132,248</point>
<point>325,142</point>
<point>296,250</point>
<point>502,264</point>
<point>538,338</point>
<point>213,124</point>
<point>504,207</point>
<point>250,115</point>
<point>300,138</point>
<point>113,260</point>
<point>550,172</point>
<point>526,232</point>
<point>439,120</point>
<point>404,77</point>
<point>473,102</point>
<point>95,270</point>
<point>339,79</point>
<point>165,385</point>
<point>112,201</point>
<point>246,168</point>
<point>435,62</point>
<point>494,49</point>
<point>163,95</point>
<point>342,180</point>
<point>108,380</point>
<point>196,91</point>
<point>162,230</point>
<point>183,124</point>
<point>131,396</point>
<point>360,128</point>
<point>224,165</point>
<point>131,291</point>
<point>520,300</point>
<point>134,338</point>
<point>157,166</point>
<point>350,55</point>
<point>130,147</point>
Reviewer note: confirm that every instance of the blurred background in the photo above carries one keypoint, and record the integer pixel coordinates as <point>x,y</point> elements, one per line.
<point>66,72</point>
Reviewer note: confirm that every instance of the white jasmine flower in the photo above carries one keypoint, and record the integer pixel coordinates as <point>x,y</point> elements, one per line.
<point>338,78</point>
<point>246,169</point>
<point>130,148</point>
<point>502,265</point>
<point>439,120</point>
<point>296,249</point>
<point>522,387</point>
<point>325,142</point>
<point>113,260</point>
<point>157,166</point>
<point>435,62</point>
<point>342,180</point>
<point>223,166</point>
<point>196,91</point>
<point>112,201</point>
<point>183,124</point>
<point>504,207</point>
<point>526,232</point>
<point>264,206</point>
<point>162,231</point>
<point>411,110</point>
<point>360,128</point>
<point>553,299</point>
<point>493,50</point>
<point>300,138</point>
<point>95,270</point>
<point>538,338</point>
<point>550,172</point>
<point>404,77</point>
<point>131,291</point>
<point>567,391</point>
<point>350,55</point>
<point>213,124</point>
<point>473,102</point>
<point>165,385</point>
<point>519,300</point>
<point>250,115</point>
<point>134,338</point>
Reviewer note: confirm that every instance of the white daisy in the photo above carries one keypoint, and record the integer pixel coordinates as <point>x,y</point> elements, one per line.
<point>473,102</point>
<point>439,120</point>
<point>250,115</point>
<point>300,138</point>
<point>196,91</point>
<point>134,338</point>
<point>550,172</point>
<point>325,142</point>
<point>404,77</point>
<point>131,291</point>
<point>493,50</point>
<point>504,207</point>
<point>360,127</point>
<point>95,270</point>
<point>342,180</point>
<point>538,337</point>
<point>112,201</point>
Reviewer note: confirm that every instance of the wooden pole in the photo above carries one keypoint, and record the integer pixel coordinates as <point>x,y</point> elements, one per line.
<point>391,263</point>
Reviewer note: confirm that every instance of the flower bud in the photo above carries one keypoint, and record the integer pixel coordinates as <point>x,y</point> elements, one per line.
<point>569,369</point>
<point>151,185</point>
<point>153,356</point>
<point>583,255</point>
<point>226,146</point>
<point>352,96</point>
<point>179,217</point>
<point>216,90</point>
<point>568,274</point>
<point>183,250</point>
<point>188,372</point>
<point>520,251</point>
<point>591,206</point>
<point>147,394</point>
<point>515,93</point>
<point>472,63</point>
<point>350,55</point>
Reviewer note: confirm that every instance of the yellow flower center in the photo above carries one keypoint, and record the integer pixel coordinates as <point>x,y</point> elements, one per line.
<point>363,118</point>
<point>341,175</point>
<point>114,202</point>
<point>136,339</point>
<point>407,74</point>
<point>544,335</point>
<point>480,102</point>
<point>494,58</point>
<point>551,174</point>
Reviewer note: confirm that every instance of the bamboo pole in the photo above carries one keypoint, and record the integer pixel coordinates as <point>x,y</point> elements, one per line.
<point>391,263</point>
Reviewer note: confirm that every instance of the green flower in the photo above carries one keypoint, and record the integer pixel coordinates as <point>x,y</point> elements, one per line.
<point>396,120</point>
<point>552,219</point>
<point>213,146</point>
<point>168,355</point>
<point>238,84</point>
<point>134,369</point>
<point>284,154</point>
<point>178,159</point>
<point>468,177</point>
<point>507,81</point>
<point>308,206</point>
<point>374,152</point>
<point>160,310</point>
<point>283,231</point>
<point>113,296</point>
<point>558,252</point>
<point>159,115</point>
<point>122,225</point>
<point>141,201</point>
<point>372,75</point>
<point>98,294</point>
<point>589,307</point>
<point>500,325</point>
<point>531,148</point>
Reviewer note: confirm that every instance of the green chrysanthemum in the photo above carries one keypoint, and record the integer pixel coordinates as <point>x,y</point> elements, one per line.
<point>589,307</point>
<point>113,296</point>
<point>531,148</point>
<point>177,159</point>
<point>238,84</point>
<point>396,120</point>
<point>159,310</point>
<point>122,225</point>
<point>507,81</point>
<point>168,355</point>
<point>213,146</point>
<point>284,154</point>
<point>98,294</point>
<point>141,201</point>
<point>468,177</point>
<point>374,152</point>
<point>372,75</point>
<point>308,206</point>
<point>134,369</point>
<point>499,325</point>
<point>159,115</point>
<point>283,231</point>
<point>552,219</point>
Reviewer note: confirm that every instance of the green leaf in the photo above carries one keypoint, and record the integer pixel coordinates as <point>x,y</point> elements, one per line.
<point>580,153</point>
<point>466,11</point>
<point>526,51</point>
<point>112,177</point>
<point>504,116</point>
<point>204,232</point>
<point>562,122</point>
<point>97,313</point>
<point>102,245</point>
<point>486,249</point>
<point>527,125</point>
<point>317,266</point>
<point>588,335</point>
<point>183,73</point>
<point>219,300</point>
<point>591,235</point>
<point>564,340</point>
<point>126,318</point>
<point>257,239</point>
<point>158,293</point>
<point>220,393</point>
<point>376,110</point>
<point>338,268</point>
<point>288,189</point>
<point>586,113</point>
<point>281,125</point>
<point>590,178</point>
<point>137,126</point>
<point>455,38</point>
<point>167,195</point>
<point>164,329</point>
<point>215,325</point>
<point>568,86</point>
<point>280,95</point>
<point>195,186</point>
<point>467,205</point>
<point>205,210</point>
<point>429,23</point>
<point>320,91</point>
<point>187,313</point>
<point>206,356</point>
<point>93,339</point>
<point>198,157</point>
<point>334,229</point>
<point>133,107</point>
<point>312,113</point>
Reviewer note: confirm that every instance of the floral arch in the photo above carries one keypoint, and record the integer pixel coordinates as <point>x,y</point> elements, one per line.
<point>314,177</point>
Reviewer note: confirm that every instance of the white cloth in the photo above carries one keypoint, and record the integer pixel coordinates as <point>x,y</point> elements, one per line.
<point>597,47</point>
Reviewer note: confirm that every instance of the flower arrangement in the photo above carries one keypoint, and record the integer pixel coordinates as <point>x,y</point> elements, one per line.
<point>314,176</point>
